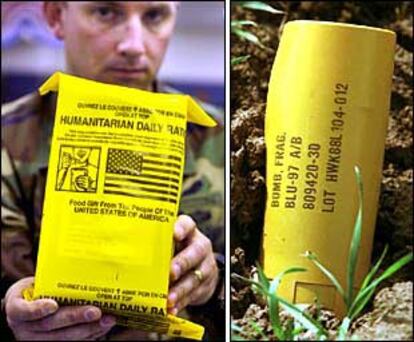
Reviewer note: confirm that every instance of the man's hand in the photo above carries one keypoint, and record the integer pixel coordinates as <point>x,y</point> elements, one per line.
<point>195,253</point>
<point>43,320</point>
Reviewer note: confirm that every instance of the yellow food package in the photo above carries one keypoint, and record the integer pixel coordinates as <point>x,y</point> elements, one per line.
<point>327,111</point>
<point>112,195</point>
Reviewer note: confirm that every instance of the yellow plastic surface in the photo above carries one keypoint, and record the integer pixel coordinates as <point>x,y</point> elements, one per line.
<point>327,110</point>
<point>112,195</point>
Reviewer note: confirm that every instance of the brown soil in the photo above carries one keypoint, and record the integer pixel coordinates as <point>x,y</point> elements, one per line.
<point>392,316</point>
<point>249,83</point>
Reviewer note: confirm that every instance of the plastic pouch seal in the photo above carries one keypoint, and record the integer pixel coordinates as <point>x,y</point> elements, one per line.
<point>112,193</point>
<point>177,326</point>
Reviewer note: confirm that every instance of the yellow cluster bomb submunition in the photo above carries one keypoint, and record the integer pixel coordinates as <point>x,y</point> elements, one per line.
<point>112,194</point>
<point>327,111</point>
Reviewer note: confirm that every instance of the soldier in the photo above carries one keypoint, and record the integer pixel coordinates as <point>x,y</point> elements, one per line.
<point>120,43</point>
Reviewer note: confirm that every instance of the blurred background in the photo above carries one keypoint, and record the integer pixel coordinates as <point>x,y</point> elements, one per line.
<point>194,62</point>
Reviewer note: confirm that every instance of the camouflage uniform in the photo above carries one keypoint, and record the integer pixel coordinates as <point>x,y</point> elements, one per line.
<point>27,124</point>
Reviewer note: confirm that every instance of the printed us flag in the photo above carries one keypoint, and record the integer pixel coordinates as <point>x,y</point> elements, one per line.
<point>147,175</point>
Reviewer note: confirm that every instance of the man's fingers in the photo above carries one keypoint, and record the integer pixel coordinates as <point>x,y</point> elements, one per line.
<point>197,296</point>
<point>64,317</point>
<point>16,290</point>
<point>184,287</point>
<point>190,256</point>
<point>184,227</point>
<point>197,253</point>
<point>43,320</point>
<point>86,331</point>
<point>19,309</point>
<point>190,282</point>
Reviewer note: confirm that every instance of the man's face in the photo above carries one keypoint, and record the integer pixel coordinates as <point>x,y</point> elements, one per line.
<point>117,42</point>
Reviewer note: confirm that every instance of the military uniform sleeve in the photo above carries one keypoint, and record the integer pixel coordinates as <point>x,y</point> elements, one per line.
<point>18,131</point>
<point>203,187</point>
<point>16,242</point>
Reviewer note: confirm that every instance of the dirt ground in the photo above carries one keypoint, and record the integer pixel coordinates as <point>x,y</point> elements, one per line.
<point>249,84</point>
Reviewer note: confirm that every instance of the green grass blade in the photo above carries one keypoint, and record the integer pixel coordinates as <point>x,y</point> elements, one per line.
<point>251,282</point>
<point>296,332</point>
<point>391,270</point>
<point>307,321</point>
<point>318,307</point>
<point>262,277</point>
<point>236,337</point>
<point>274,317</point>
<point>258,329</point>
<point>274,304</point>
<point>274,285</point>
<point>355,242</point>
<point>240,23</point>
<point>374,270</point>
<point>312,257</point>
<point>238,60</point>
<point>343,329</point>
<point>288,330</point>
<point>368,291</point>
<point>320,337</point>
<point>235,327</point>
<point>258,5</point>
<point>302,317</point>
<point>246,35</point>
<point>362,302</point>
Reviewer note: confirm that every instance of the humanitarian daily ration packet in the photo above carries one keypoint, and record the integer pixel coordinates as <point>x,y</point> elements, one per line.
<point>112,195</point>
